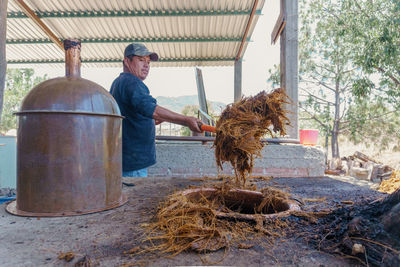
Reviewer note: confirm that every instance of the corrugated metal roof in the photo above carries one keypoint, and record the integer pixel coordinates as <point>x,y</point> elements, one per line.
<point>183,33</point>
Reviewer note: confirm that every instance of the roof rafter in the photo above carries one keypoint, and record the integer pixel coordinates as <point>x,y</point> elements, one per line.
<point>129,13</point>
<point>118,60</point>
<point>253,11</point>
<point>31,14</point>
<point>131,40</point>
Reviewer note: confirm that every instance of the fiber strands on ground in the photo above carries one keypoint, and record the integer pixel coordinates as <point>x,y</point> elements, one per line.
<point>186,222</point>
<point>392,184</point>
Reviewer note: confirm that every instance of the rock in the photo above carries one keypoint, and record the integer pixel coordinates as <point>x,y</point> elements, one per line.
<point>357,249</point>
<point>359,173</point>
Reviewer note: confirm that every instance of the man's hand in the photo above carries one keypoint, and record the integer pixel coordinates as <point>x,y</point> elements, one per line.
<point>157,122</point>
<point>193,124</point>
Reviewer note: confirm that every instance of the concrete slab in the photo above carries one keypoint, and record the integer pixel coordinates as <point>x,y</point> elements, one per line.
<point>104,236</point>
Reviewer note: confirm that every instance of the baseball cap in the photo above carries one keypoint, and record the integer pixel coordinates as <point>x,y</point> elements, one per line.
<point>137,49</point>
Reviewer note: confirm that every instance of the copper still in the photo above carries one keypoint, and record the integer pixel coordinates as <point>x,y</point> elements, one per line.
<point>69,158</point>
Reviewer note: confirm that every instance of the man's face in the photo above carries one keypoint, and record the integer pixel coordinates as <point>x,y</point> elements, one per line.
<point>139,66</point>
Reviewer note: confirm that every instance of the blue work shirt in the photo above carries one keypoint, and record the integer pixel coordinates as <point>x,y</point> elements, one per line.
<point>138,129</point>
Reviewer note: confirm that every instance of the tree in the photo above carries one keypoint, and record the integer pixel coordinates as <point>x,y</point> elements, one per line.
<point>374,121</point>
<point>374,30</point>
<point>188,110</point>
<point>326,72</point>
<point>329,73</point>
<point>18,83</point>
<point>193,110</point>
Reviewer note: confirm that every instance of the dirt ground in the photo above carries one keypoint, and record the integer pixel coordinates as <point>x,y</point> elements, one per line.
<point>103,237</point>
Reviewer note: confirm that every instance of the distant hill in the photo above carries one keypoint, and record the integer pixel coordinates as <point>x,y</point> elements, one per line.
<point>178,103</point>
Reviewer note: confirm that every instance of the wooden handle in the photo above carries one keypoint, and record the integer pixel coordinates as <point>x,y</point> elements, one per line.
<point>207,128</point>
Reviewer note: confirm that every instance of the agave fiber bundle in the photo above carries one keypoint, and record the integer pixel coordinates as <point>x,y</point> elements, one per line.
<point>242,125</point>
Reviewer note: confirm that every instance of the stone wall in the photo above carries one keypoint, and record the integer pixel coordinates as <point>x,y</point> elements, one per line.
<point>193,159</point>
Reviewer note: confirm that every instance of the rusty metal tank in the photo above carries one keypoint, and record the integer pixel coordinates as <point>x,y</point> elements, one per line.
<point>69,158</point>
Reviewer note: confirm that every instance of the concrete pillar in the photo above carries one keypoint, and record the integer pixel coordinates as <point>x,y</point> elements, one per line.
<point>289,63</point>
<point>3,61</point>
<point>238,80</point>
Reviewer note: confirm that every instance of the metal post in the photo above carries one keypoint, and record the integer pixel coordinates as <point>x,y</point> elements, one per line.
<point>238,80</point>
<point>201,94</point>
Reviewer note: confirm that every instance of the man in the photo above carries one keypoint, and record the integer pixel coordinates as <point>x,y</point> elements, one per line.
<point>141,112</point>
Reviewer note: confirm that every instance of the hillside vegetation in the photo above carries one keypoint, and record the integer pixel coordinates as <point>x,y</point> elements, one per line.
<point>178,103</point>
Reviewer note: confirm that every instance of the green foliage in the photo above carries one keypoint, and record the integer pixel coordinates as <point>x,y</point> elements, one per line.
<point>192,110</point>
<point>326,71</point>
<point>18,83</point>
<point>188,110</point>
<point>374,30</point>
<point>371,121</point>
<point>349,56</point>
<point>274,76</point>
<point>177,103</point>
<point>362,87</point>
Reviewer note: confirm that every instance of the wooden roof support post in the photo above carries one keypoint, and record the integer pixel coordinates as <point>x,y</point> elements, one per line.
<point>289,63</point>
<point>238,80</point>
<point>3,61</point>
<point>31,14</point>
<point>238,61</point>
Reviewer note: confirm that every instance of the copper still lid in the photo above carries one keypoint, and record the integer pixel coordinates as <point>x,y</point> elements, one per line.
<point>70,93</point>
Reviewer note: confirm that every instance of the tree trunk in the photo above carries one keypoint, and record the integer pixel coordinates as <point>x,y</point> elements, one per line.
<point>336,122</point>
<point>335,130</point>
<point>3,61</point>
<point>335,143</point>
<point>326,145</point>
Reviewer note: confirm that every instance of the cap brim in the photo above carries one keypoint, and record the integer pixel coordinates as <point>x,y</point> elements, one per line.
<point>153,56</point>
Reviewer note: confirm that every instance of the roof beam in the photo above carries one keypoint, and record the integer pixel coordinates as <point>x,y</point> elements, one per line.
<point>253,10</point>
<point>130,40</point>
<point>278,28</point>
<point>118,60</point>
<point>29,13</point>
<point>129,13</point>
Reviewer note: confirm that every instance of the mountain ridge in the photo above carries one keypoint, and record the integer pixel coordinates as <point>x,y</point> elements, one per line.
<point>177,103</point>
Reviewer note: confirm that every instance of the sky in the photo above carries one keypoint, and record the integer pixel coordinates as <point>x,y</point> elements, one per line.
<point>259,56</point>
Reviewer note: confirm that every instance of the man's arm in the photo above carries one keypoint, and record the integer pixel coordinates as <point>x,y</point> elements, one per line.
<point>163,114</point>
